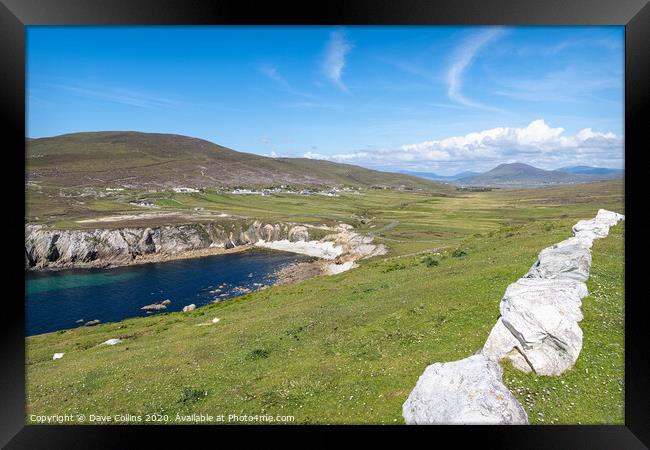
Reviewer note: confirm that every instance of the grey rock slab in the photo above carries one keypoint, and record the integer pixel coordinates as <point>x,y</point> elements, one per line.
<point>469,391</point>
<point>569,259</point>
<point>543,316</point>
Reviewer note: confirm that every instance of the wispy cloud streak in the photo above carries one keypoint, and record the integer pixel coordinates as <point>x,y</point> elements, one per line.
<point>334,61</point>
<point>464,57</point>
<point>273,73</point>
<point>119,95</point>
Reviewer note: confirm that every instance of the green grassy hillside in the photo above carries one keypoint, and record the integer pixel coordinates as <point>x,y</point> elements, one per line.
<point>349,348</point>
<point>116,158</point>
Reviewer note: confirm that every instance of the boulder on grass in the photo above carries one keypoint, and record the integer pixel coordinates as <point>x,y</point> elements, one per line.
<point>567,259</point>
<point>462,392</point>
<point>542,315</point>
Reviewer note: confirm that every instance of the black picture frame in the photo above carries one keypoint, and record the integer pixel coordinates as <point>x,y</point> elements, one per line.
<point>16,14</point>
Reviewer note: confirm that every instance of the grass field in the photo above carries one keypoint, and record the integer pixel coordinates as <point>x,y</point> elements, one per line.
<point>349,348</point>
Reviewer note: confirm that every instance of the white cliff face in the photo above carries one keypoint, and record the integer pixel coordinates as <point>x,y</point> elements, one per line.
<point>317,249</point>
<point>344,247</point>
<point>465,392</point>
<point>537,331</point>
<point>46,247</point>
<point>49,248</point>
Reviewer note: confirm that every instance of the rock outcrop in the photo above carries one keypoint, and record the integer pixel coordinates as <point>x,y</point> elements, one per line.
<point>537,331</point>
<point>50,248</point>
<point>344,247</point>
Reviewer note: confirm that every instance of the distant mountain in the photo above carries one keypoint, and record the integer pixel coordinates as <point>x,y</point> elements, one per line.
<point>436,177</point>
<point>524,175</point>
<point>137,160</point>
<point>589,170</point>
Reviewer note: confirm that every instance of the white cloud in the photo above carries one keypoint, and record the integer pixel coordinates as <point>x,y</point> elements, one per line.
<point>314,155</point>
<point>334,62</point>
<point>537,143</point>
<point>464,57</point>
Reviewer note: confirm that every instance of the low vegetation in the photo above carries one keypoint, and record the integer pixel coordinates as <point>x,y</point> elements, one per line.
<point>349,348</point>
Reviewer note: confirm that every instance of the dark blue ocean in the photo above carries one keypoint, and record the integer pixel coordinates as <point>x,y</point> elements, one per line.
<point>64,299</point>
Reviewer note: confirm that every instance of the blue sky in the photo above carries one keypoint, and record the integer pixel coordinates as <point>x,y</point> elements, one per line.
<point>442,99</point>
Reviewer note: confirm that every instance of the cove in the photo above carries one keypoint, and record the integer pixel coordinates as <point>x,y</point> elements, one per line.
<point>57,300</point>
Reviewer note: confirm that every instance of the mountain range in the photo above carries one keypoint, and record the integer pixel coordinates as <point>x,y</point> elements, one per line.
<point>436,177</point>
<point>588,170</point>
<point>524,175</point>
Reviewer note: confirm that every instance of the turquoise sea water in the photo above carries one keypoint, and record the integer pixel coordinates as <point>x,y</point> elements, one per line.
<point>70,298</point>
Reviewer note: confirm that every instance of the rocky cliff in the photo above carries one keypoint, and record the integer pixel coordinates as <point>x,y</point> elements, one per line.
<point>51,248</point>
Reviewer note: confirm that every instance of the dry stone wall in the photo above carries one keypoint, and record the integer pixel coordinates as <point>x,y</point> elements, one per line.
<point>537,331</point>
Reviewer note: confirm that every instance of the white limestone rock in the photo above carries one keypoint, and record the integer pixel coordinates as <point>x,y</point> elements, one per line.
<point>468,391</point>
<point>298,233</point>
<point>502,344</point>
<point>499,342</point>
<point>590,229</point>
<point>113,341</point>
<point>609,217</point>
<point>189,308</point>
<point>538,330</point>
<point>57,356</point>
<point>543,316</point>
<point>598,227</point>
<point>570,259</point>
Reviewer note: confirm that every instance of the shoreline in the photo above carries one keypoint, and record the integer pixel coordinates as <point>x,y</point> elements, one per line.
<point>147,259</point>
<point>291,273</point>
<point>300,271</point>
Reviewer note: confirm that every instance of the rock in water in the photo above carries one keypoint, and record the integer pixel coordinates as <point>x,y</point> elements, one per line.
<point>468,391</point>
<point>189,308</point>
<point>154,307</point>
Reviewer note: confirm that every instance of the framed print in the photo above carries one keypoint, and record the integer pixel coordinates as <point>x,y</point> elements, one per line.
<point>363,214</point>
